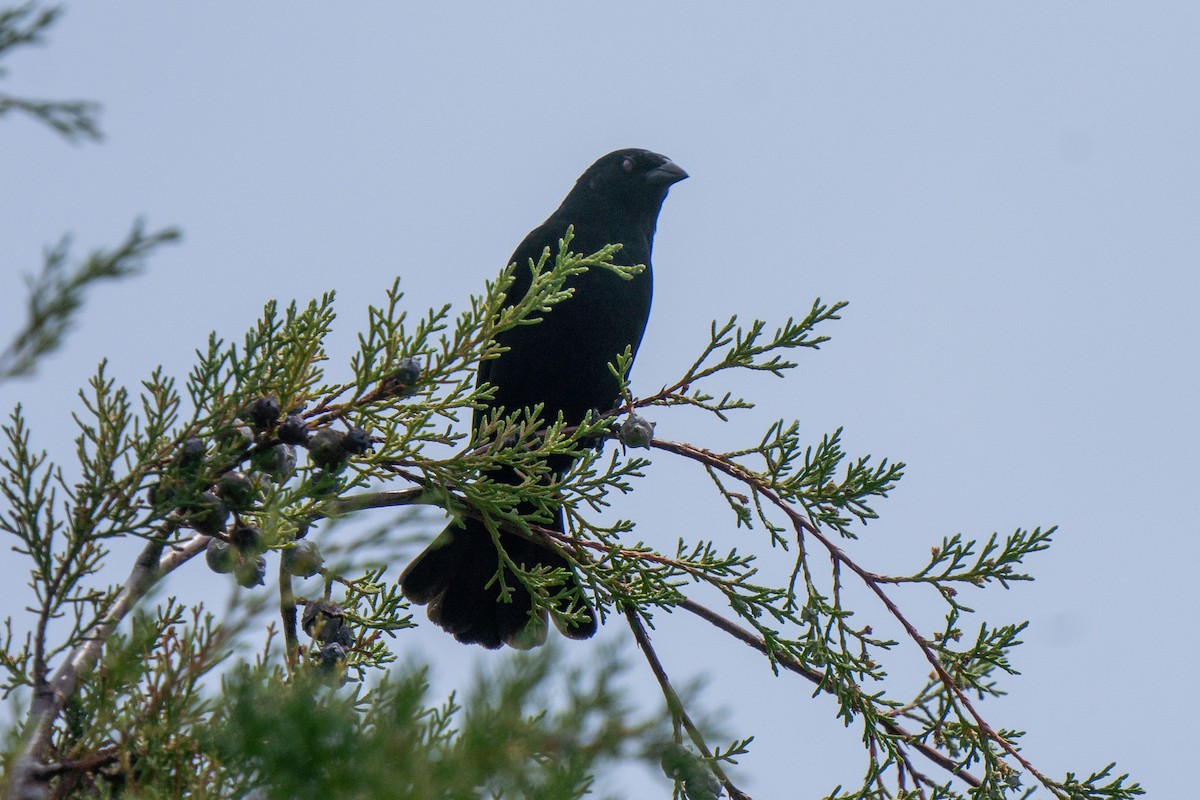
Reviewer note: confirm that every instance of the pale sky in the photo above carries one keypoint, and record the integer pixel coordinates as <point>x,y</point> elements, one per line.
<point>1007,195</point>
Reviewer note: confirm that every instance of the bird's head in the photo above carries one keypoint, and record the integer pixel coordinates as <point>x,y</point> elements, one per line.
<point>632,180</point>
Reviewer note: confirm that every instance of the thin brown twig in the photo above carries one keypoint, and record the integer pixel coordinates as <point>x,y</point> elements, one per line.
<point>803,525</point>
<point>675,704</point>
<point>24,781</point>
<point>86,764</point>
<point>391,498</point>
<point>287,615</point>
<point>817,678</point>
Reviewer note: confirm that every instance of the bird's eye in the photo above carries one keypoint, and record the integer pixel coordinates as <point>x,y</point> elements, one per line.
<point>627,164</point>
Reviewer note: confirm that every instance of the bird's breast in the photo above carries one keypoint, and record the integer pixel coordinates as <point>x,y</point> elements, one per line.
<point>562,361</point>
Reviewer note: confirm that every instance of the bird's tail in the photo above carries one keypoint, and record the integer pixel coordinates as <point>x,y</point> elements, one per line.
<point>456,577</point>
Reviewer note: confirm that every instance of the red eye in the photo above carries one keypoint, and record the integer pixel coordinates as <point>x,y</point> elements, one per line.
<point>627,164</point>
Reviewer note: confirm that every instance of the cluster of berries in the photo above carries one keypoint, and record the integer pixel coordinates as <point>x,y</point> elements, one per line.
<point>325,622</point>
<point>203,495</point>
<point>269,444</point>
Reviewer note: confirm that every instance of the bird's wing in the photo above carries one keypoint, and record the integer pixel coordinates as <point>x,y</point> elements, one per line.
<point>528,251</point>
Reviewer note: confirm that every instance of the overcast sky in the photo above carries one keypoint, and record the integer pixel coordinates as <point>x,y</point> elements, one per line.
<point>1007,195</point>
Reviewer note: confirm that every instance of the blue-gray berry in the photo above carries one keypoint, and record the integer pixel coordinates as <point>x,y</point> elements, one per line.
<point>237,490</point>
<point>302,559</point>
<point>190,453</point>
<point>326,449</point>
<point>263,413</point>
<point>237,436</point>
<point>208,514</point>
<point>357,441</point>
<point>248,540</point>
<point>404,378</point>
<point>635,431</point>
<point>323,620</point>
<point>279,462</point>
<point>220,557</point>
<point>251,572</point>
<point>330,657</point>
<point>293,430</point>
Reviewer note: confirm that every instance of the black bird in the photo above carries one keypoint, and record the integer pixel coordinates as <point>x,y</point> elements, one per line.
<point>562,363</point>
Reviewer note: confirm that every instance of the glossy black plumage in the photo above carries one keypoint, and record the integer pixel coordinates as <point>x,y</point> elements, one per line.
<point>561,362</point>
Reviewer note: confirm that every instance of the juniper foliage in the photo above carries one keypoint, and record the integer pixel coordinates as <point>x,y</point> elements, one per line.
<point>120,689</point>
<point>140,478</point>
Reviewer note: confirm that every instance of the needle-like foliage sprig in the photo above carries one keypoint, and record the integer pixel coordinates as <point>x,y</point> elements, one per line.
<point>411,389</point>
<point>263,448</point>
<point>408,393</point>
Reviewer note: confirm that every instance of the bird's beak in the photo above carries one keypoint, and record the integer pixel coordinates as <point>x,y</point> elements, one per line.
<point>666,173</point>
